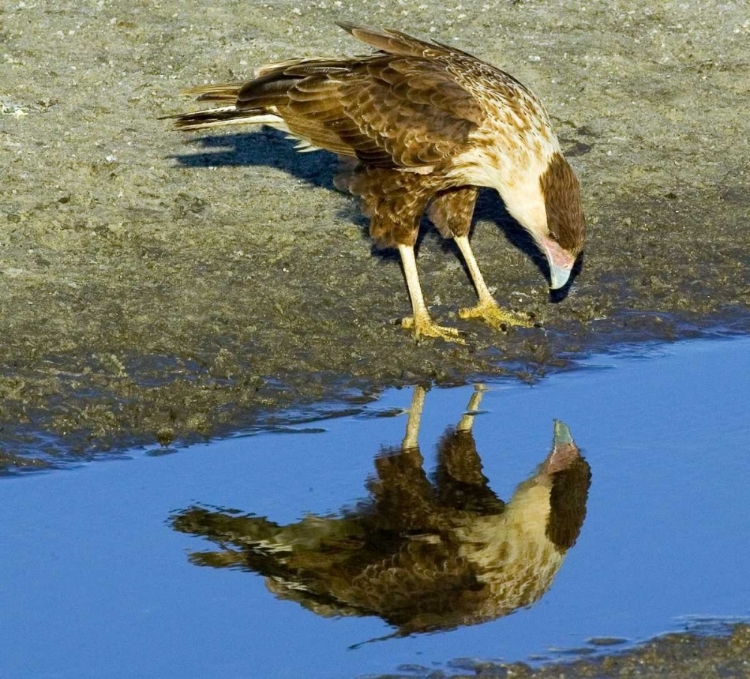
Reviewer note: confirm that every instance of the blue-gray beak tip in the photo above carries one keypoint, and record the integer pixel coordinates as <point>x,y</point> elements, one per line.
<point>558,276</point>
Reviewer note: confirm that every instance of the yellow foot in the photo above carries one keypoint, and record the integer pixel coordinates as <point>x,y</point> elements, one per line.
<point>425,327</point>
<point>492,314</point>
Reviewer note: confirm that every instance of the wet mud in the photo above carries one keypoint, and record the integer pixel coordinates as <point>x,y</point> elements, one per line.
<point>159,288</point>
<point>685,655</point>
<point>721,653</point>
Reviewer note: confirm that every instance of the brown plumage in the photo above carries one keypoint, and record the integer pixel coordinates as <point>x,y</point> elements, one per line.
<point>422,553</point>
<point>425,124</point>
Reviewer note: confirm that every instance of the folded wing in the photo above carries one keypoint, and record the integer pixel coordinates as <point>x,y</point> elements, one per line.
<point>401,107</point>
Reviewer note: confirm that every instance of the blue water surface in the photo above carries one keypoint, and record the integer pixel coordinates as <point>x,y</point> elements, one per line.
<point>97,583</point>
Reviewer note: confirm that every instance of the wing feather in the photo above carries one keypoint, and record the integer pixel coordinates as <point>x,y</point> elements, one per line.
<point>401,107</point>
<point>413,107</point>
<point>393,42</point>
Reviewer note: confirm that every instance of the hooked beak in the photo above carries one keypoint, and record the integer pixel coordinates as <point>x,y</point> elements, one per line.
<point>560,262</point>
<point>558,276</point>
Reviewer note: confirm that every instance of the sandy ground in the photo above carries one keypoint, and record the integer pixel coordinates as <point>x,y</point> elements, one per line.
<point>156,286</point>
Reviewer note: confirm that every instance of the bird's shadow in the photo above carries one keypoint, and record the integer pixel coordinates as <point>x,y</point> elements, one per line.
<point>264,147</point>
<point>268,147</point>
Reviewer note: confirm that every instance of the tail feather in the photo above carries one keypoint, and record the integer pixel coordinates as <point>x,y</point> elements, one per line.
<point>220,116</point>
<point>227,115</point>
<point>265,92</point>
<point>223,92</point>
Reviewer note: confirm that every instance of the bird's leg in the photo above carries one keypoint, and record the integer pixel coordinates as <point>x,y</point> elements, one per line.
<point>487,308</point>
<point>420,322</point>
<point>467,421</point>
<point>411,439</point>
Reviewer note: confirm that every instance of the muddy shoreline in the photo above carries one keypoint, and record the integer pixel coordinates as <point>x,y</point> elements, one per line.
<point>160,288</point>
<point>723,653</point>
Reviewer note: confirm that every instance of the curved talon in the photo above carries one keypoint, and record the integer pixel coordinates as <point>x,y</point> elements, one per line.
<point>425,327</point>
<point>493,315</point>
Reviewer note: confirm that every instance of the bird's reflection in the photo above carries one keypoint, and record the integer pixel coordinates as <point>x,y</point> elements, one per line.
<point>424,554</point>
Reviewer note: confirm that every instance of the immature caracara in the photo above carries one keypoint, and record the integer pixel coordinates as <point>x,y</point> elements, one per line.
<point>428,124</point>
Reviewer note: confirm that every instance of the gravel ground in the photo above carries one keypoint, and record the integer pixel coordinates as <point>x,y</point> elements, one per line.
<point>160,287</point>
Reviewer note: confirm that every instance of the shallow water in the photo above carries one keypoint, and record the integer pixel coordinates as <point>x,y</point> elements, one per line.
<point>98,582</point>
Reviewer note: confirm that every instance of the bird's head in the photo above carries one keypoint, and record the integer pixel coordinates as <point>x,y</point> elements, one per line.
<point>562,239</point>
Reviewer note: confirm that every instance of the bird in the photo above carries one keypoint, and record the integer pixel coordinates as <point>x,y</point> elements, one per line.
<point>422,552</point>
<point>420,126</point>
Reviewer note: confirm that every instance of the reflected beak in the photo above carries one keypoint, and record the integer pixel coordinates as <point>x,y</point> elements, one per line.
<point>562,434</point>
<point>558,275</point>
<point>564,450</point>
